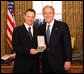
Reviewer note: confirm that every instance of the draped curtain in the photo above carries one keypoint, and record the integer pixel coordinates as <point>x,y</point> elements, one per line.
<point>72,14</point>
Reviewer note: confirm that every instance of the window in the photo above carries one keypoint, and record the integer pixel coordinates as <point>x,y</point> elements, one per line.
<point>38,6</point>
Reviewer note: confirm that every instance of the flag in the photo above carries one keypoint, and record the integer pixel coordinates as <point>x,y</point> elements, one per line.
<point>10,22</point>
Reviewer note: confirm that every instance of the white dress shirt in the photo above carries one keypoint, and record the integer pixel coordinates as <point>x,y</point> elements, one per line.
<point>27,27</point>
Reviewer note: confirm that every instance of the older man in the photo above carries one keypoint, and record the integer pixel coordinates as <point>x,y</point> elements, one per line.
<point>57,57</point>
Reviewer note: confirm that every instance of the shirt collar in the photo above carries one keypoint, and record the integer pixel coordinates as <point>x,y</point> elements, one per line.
<point>27,26</point>
<point>51,24</point>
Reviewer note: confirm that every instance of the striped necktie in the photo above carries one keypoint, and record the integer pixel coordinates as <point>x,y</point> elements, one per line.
<point>30,34</point>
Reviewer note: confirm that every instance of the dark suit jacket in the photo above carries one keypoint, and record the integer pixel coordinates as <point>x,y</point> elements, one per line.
<point>59,49</point>
<point>22,43</point>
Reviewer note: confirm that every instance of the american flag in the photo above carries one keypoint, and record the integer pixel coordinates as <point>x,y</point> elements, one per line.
<point>10,22</point>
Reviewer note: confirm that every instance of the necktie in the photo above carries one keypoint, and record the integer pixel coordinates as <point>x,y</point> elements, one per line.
<point>48,34</point>
<point>30,34</point>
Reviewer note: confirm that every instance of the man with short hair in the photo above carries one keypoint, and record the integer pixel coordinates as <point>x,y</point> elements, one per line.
<point>57,57</point>
<point>24,42</point>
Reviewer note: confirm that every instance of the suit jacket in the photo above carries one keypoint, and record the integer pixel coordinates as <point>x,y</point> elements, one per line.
<point>22,43</point>
<point>59,49</point>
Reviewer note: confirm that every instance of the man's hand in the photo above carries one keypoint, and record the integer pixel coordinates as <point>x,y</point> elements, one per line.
<point>44,46</point>
<point>67,65</point>
<point>33,51</point>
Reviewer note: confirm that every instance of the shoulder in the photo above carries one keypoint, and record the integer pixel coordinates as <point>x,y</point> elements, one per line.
<point>19,27</point>
<point>42,26</point>
<point>61,23</point>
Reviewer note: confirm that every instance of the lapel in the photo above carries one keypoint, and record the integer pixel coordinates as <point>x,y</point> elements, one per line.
<point>53,29</point>
<point>25,30</point>
<point>34,31</point>
<point>27,33</point>
<point>44,28</point>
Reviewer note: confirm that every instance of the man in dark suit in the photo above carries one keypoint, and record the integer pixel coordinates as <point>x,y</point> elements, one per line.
<point>24,44</point>
<point>57,57</point>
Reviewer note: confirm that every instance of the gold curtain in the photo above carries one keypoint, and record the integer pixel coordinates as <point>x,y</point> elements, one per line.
<point>20,7</point>
<point>73,16</point>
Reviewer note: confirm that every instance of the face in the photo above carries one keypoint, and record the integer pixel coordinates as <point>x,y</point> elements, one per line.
<point>48,15</point>
<point>29,18</point>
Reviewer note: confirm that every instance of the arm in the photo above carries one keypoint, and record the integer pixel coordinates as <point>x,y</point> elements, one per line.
<point>17,47</point>
<point>68,49</point>
<point>67,43</point>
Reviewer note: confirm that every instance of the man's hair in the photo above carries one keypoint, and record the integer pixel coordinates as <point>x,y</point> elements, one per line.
<point>31,10</point>
<point>48,6</point>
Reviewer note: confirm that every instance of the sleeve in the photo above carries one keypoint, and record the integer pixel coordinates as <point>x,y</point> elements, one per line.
<point>17,47</point>
<point>67,43</point>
